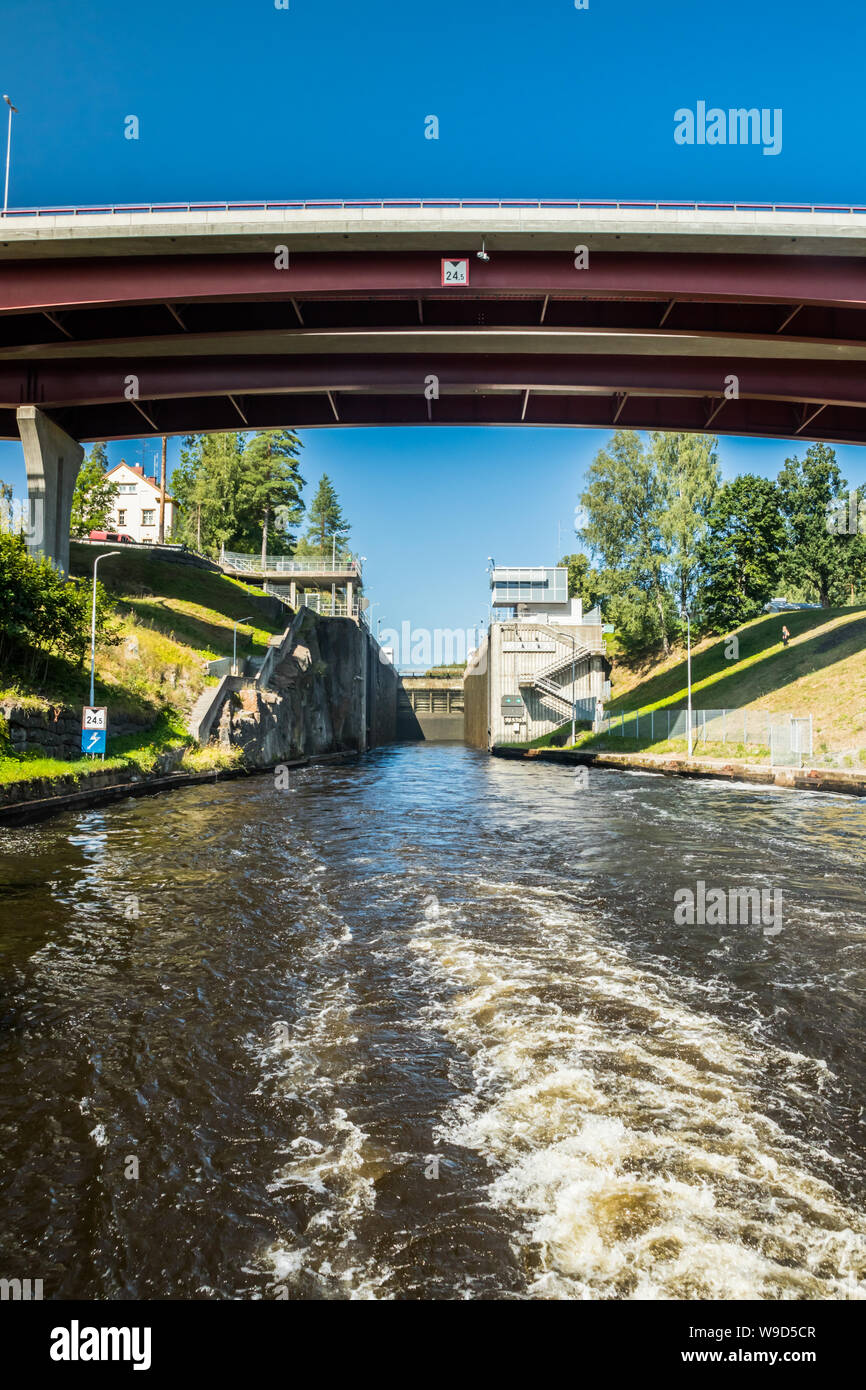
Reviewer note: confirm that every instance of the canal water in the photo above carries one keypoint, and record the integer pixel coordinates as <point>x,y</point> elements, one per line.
<point>424,1025</point>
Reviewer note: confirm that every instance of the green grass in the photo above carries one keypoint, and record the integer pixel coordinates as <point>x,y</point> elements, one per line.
<point>198,606</point>
<point>135,752</point>
<point>821,672</point>
<point>137,570</point>
<point>173,619</point>
<point>179,617</point>
<point>763,667</point>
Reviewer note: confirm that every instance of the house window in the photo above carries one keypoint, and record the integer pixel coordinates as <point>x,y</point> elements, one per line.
<point>121,518</point>
<point>127,487</point>
<point>148,517</point>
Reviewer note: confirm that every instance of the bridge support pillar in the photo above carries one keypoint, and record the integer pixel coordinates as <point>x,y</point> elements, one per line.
<point>52,461</point>
<point>293,594</point>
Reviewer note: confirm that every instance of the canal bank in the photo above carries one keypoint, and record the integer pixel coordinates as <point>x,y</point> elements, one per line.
<point>101,789</point>
<point>672,765</point>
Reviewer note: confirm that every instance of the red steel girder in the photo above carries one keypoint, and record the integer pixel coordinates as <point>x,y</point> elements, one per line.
<point>28,286</point>
<point>62,382</point>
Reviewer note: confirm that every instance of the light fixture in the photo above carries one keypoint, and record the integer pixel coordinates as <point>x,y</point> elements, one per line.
<point>482,254</point>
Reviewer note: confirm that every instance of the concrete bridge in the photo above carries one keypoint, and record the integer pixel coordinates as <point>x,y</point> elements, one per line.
<point>124,322</point>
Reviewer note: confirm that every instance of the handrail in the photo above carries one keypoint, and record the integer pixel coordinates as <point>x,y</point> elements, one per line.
<point>354,205</point>
<point>289,564</point>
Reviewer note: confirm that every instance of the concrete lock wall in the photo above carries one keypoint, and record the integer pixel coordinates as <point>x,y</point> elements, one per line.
<point>476,694</point>
<point>504,667</point>
<point>430,708</point>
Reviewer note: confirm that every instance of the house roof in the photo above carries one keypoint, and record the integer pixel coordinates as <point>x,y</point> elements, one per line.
<point>141,476</point>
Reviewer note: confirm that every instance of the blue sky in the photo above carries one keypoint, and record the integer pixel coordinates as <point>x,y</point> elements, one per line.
<point>536,99</point>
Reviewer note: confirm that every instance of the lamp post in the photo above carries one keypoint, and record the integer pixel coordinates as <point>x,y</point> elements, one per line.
<point>8,151</point>
<point>104,556</point>
<point>235,643</point>
<point>689,670</point>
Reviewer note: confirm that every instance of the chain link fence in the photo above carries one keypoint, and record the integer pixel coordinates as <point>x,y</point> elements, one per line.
<point>788,736</point>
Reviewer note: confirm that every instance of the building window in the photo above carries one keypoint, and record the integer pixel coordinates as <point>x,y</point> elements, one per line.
<point>121,518</point>
<point>127,487</point>
<point>148,518</point>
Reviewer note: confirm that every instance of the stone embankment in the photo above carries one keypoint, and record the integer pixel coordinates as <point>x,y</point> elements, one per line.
<point>818,779</point>
<point>54,732</point>
<point>328,692</point>
<point>327,695</point>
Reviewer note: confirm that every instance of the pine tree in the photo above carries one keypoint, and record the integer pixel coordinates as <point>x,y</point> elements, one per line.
<point>326,520</point>
<point>269,499</point>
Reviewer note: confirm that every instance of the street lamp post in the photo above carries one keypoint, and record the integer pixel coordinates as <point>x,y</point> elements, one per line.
<point>689,670</point>
<point>104,556</point>
<point>8,152</point>
<point>235,643</point>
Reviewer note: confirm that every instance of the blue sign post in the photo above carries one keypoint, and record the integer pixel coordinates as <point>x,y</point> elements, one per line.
<point>94,729</point>
<point>93,741</point>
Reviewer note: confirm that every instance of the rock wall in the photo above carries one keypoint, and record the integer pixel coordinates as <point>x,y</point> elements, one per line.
<point>330,694</point>
<point>55,732</point>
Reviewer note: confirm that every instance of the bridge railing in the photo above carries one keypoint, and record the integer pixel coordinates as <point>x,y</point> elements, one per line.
<point>349,565</point>
<point>434,204</point>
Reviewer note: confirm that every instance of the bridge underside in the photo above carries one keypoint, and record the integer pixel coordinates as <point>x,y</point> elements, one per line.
<point>111,348</point>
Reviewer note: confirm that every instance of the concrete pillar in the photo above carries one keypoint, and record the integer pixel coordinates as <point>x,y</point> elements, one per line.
<point>349,596</point>
<point>293,594</point>
<point>52,461</point>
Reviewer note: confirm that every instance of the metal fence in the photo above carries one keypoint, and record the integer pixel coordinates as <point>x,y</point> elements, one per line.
<point>328,607</point>
<point>290,564</point>
<point>788,736</point>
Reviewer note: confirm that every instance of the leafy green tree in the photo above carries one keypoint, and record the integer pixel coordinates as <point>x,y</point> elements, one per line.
<point>269,499</point>
<point>816,557</point>
<point>584,582</point>
<point>94,494</point>
<point>688,470</point>
<point>326,520</point>
<point>622,504</point>
<point>44,614</point>
<point>740,555</point>
<point>206,485</point>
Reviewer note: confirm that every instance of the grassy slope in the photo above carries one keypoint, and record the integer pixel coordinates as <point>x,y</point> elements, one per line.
<point>173,619</point>
<point>822,672</point>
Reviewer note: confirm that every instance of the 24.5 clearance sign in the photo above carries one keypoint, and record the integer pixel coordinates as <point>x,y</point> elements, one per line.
<point>455,272</point>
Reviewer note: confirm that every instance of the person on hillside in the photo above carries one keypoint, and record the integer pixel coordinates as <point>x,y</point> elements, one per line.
<point>785,635</point>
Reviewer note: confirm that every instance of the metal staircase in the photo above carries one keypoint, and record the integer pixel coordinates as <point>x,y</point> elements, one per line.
<point>542,681</point>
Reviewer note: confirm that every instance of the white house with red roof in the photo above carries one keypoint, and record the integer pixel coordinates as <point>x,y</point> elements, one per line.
<point>136,506</point>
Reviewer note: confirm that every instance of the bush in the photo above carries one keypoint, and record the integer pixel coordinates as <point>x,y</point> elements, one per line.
<point>44,614</point>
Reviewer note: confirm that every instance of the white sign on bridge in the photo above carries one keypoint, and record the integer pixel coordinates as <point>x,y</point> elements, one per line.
<point>455,272</point>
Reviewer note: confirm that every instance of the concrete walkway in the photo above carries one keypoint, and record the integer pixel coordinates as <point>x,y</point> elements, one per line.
<point>821,779</point>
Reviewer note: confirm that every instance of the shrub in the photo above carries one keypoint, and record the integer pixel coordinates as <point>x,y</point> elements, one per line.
<point>42,613</point>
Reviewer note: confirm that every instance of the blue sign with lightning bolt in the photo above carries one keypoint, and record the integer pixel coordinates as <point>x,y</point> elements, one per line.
<point>93,740</point>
